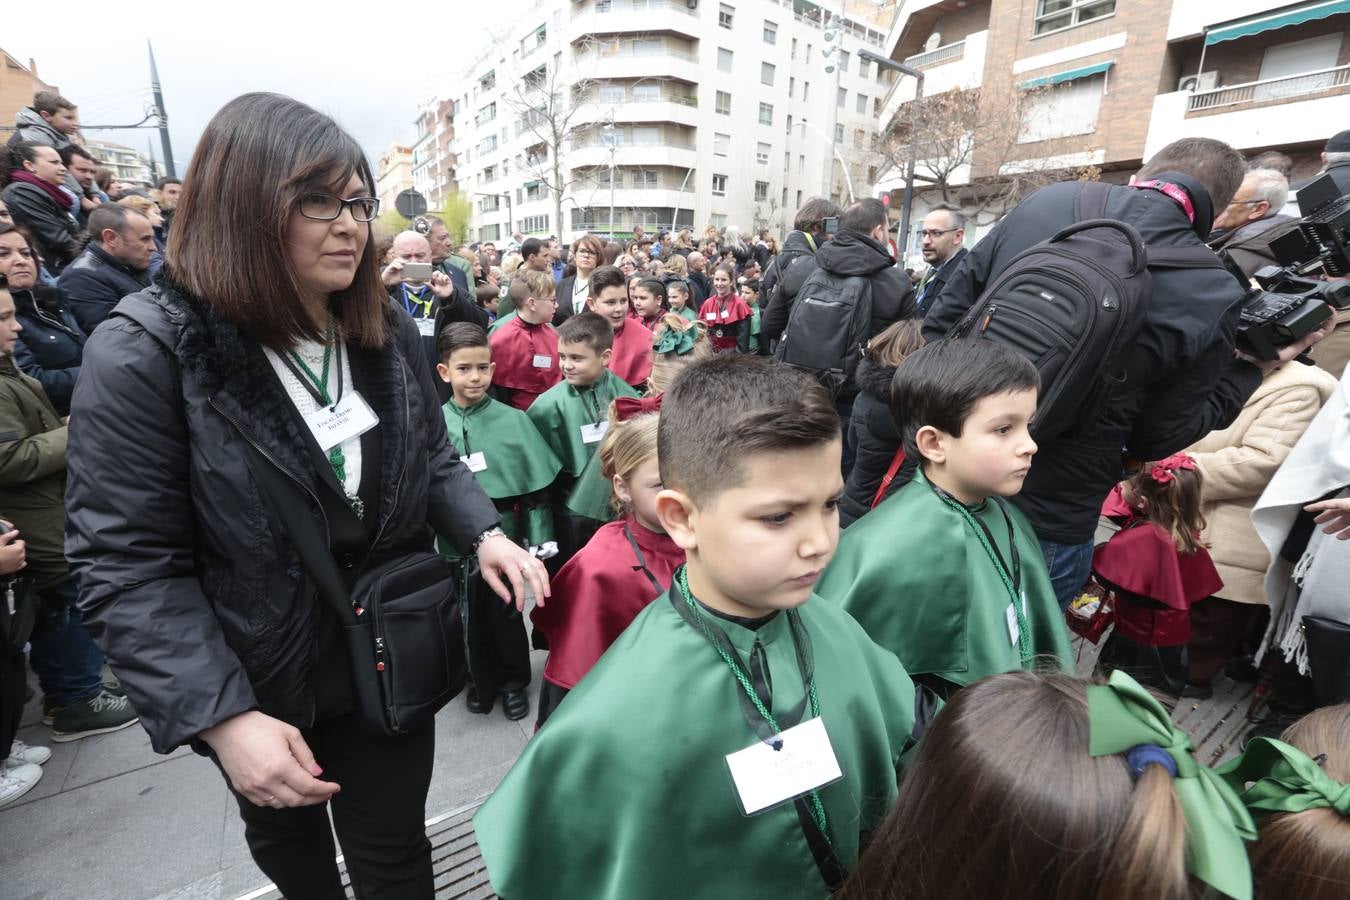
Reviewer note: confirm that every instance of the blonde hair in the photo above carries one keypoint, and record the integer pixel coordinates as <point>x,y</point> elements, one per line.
<point>527,283</point>
<point>626,446</point>
<point>665,366</point>
<point>678,265</point>
<point>512,262</point>
<point>143,205</point>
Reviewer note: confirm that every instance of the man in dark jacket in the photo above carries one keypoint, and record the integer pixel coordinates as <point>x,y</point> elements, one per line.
<point>807,236</point>
<point>1245,228</point>
<point>1335,162</point>
<point>1180,378</point>
<point>112,265</point>
<point>943,248</point>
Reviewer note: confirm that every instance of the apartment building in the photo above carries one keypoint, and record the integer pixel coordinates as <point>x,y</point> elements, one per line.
<point>600,115</point>
<point>433,162</point>
<point>18,84</point>
<point>128,165</point>
<point>1067,86</point>
<point>394,174</point>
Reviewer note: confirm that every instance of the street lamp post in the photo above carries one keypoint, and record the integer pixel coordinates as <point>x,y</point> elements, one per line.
<point>907,206</point>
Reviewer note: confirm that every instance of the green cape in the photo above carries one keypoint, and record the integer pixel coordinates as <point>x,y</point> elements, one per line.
<point>560,412</point>
<point>591,494</point>
<point>501,319</point>
<point>625,793</point>
<point>519,462</point>
<point>916,578</point>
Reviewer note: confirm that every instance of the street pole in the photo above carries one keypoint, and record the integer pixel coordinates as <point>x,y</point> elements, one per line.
<point>907,205</point>
<point>162,115</point>
<point>510,216</point>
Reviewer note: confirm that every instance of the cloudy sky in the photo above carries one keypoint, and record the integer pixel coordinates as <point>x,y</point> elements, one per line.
<point>369,73</point>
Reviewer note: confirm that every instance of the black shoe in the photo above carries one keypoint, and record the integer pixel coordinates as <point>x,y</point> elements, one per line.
<point>516,703</point>
<point>1272,726</point>
<point>1242,668</point>
<point>475,705</point>
<point>1198,691</point>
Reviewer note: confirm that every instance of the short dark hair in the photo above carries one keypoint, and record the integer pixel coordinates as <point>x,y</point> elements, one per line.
<point>484,293</point>
<point>863,216</point>
<point>165,182</point>
<point>457,336</point>
<point>814,212</point>
<point>654,286</point>
<point>531,247</point>
<point>605,277</point>
<point>70,151</point>
<point>940,383</point>
<point>1217,166</point>
<point>110,215</point>
<point>1272,159</point>
<point>677,284</point>
<point>18,153</point>
<point>258,155</point>
<point>50,102</point>
<point>589,328</point>
<point>733,407</point>
<point>958,218</point>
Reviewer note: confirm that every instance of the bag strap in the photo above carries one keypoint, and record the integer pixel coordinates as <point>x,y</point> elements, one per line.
<point>896,462</point>
<point>1089,201</point>
<point>1199,257</point>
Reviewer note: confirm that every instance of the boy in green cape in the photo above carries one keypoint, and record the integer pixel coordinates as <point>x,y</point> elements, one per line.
<point>740,737</point>
<point>514,466</point>
<point>945,573</point>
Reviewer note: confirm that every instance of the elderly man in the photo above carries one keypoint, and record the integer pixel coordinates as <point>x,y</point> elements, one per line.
<point>1252,219</point>
<point>443,256</point>
<point>698,277</point>
<point>1335,161</point>
<point>942,242</point>
<point>113,264</point>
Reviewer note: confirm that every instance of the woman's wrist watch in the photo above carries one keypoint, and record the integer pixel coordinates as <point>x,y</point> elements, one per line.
<point>494,531</point>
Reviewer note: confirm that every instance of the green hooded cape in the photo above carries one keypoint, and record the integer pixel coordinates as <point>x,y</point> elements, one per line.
<point>561,410</point>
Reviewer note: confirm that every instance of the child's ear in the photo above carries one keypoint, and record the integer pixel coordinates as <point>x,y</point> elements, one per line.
<point>443,371</point>
<point>930,442</point>
<point>606,356</point>
<point>492,370</point>
<point>621,490</point>
<point>678,516</point>
<point>590,303</point>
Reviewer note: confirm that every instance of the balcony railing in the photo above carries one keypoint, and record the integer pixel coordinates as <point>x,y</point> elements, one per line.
<point>1271,89</point>
<point>937,56</point>
<point>631,52</point>
<point>622,6</point>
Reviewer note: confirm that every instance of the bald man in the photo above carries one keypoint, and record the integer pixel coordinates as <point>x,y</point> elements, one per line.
<point>432,302</point>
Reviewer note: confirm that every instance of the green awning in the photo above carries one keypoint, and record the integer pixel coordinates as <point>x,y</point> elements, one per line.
<point>1070,75</point>
<point>1306,12</point>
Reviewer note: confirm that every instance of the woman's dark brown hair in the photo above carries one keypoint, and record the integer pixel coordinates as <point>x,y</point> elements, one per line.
<point>1173,505</point>
<point>1307,854</point>
<point>898,340</point>
<point>1003,802</point>
<point>255,160</point>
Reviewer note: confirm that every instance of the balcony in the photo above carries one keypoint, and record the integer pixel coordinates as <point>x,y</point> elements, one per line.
<point>629,62</point>
<point>635,16</point>
<point>681,111</point>
<point>956,66</point>
<point>666,153</point>
<point>1272,90</point>
<point>938,56</point>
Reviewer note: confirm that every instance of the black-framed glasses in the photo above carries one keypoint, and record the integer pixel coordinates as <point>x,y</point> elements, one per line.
<point>326,207</point>
<point>934,233</point>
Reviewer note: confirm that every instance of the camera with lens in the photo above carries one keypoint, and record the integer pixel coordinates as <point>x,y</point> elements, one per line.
<point>1292,301</point>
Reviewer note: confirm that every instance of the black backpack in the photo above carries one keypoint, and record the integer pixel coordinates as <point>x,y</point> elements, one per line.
<point>828,328</point>
<point>1071,304</point>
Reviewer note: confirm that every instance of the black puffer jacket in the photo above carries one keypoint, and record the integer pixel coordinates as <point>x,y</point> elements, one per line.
<point>1180,380</point>
<point>51,344</point>
<point>875,440</point>
<point>55,232</point>
<point>797,245</point>
<point>95,282</point>
<point>187,577</point>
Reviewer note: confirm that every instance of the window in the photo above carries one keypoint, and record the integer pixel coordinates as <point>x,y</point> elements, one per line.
<point>535,224</point>
<point>842,98</point>
<point>794,48</point>
<point>762,153</point>
<point>723,59</point>
<point>862,103</point>
<point>490,233</point>
<point>610,93</point>
<point>718,220</point>
<point>721,144</point>
<point>801,163</point>
<point>770,32</point>
<point>792,86</point>
<point>787,163</point>
<point>489,174</point>
<point>784,203</point>
<point>487,144</point>
<point>490,204</point>
<point>766,114</point>
<point>1063,110</point>
<point>488,81</point>
<point>646,93</point>
<point>806,91</point>
<point>646,178</point>
<point>609,178</point>
<point>799,199</point>
<point>719,185</point>
<point>766,73</point>
<point>761,191</point>
<point>838,134</point>
<point>862,68</point>
<point>722,104</point>
<point>788,130</point>
<point>1053,15</point>
<point>646,136</point>
<point>725,15</point>
<point>843,60</point>
<point>648,48</point>
<point>534,191</point>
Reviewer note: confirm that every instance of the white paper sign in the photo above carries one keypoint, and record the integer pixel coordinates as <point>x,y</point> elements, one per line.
<point>542,362</point>
<point>1011,614</point>
<point>351,417</point>
<point>426,327</point>
<point>475,461</point>
<point>803,762</point>
<point>591,434</point>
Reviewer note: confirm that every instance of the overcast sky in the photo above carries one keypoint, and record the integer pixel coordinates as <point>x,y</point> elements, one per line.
<point>367,71</point>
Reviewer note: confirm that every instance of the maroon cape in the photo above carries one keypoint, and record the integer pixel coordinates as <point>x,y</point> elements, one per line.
<point>719,316</point>
<point>632,359</point>
<point>514,348</point>
<point>597,595</point>
<point>1142,559</point>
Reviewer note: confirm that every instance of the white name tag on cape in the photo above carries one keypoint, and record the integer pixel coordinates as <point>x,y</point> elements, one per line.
<point>1011,614</point>
<point>803,762</point>
<point>475,461</point>
<point>542,362</point>
<point>426,327</point>
<point>351,417</point>
<point>594,433</point>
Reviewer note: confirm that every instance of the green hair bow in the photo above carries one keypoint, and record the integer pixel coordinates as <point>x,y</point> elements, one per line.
<point>1122,715</point>
<point>677,341</point>
<point>1285,779</point>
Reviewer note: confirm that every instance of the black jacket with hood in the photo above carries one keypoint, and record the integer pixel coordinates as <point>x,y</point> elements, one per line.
<point>874,439</point>
<point>1180,380</point>
<point>779,302</point>
<point>182,436</point>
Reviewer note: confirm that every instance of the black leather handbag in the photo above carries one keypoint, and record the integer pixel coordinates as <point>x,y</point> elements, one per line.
<point>1328,658</point>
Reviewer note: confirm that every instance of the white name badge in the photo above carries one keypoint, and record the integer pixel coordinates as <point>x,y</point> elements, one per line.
<point>1011,615</point>
<point>803,761</point>
<point>426,327</point>
<point>712,317</point>
<point>591,434</point>
<point>351,417</point>
<point>475,461</point>
<point>542,362</point>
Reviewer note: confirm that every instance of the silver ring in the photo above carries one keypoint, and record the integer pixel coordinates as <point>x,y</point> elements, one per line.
<point>271,798</point>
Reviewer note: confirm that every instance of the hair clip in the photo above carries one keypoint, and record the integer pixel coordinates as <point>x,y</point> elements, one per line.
<point>1165,471</point>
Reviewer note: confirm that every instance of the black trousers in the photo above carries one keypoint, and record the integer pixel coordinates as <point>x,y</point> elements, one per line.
<point>379,816</point>
<point>499,649</point>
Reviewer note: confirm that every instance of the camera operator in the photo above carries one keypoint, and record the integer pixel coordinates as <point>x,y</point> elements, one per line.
<point>1181,379</point>
<point>1335,162</point>
<point>1246,226</point>
<point>807,236</point>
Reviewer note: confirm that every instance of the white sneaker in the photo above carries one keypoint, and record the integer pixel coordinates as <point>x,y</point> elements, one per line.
<point>21,754</point>
<point>16,782</point>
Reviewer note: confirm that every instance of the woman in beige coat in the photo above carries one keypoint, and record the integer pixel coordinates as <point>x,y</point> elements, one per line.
<point>1237,463</point>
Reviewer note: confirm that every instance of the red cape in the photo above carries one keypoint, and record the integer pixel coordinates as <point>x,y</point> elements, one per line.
<point>1142,560</point>
<point>597,595</point>
<point>632,359</point>
<point>514,347</point>
<point>719,318</point>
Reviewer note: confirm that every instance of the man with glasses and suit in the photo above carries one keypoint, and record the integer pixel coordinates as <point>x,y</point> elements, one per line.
<point>943,239</point>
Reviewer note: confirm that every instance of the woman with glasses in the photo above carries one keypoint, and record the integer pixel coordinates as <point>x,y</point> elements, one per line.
<point>587,253</point>
<point>209,467</point>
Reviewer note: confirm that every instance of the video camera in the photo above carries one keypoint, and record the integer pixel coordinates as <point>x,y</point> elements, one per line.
<point>1292,301</point>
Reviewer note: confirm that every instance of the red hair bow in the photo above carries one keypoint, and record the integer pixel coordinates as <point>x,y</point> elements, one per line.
<point>1166,470</point>
<point>628,407</point>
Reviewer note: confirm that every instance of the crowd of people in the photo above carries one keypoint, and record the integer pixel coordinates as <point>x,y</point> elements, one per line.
<point>226,451</point>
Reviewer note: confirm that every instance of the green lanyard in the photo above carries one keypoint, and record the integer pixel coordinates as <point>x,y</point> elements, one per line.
<point>317,386</point>
<point>718,638</point>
